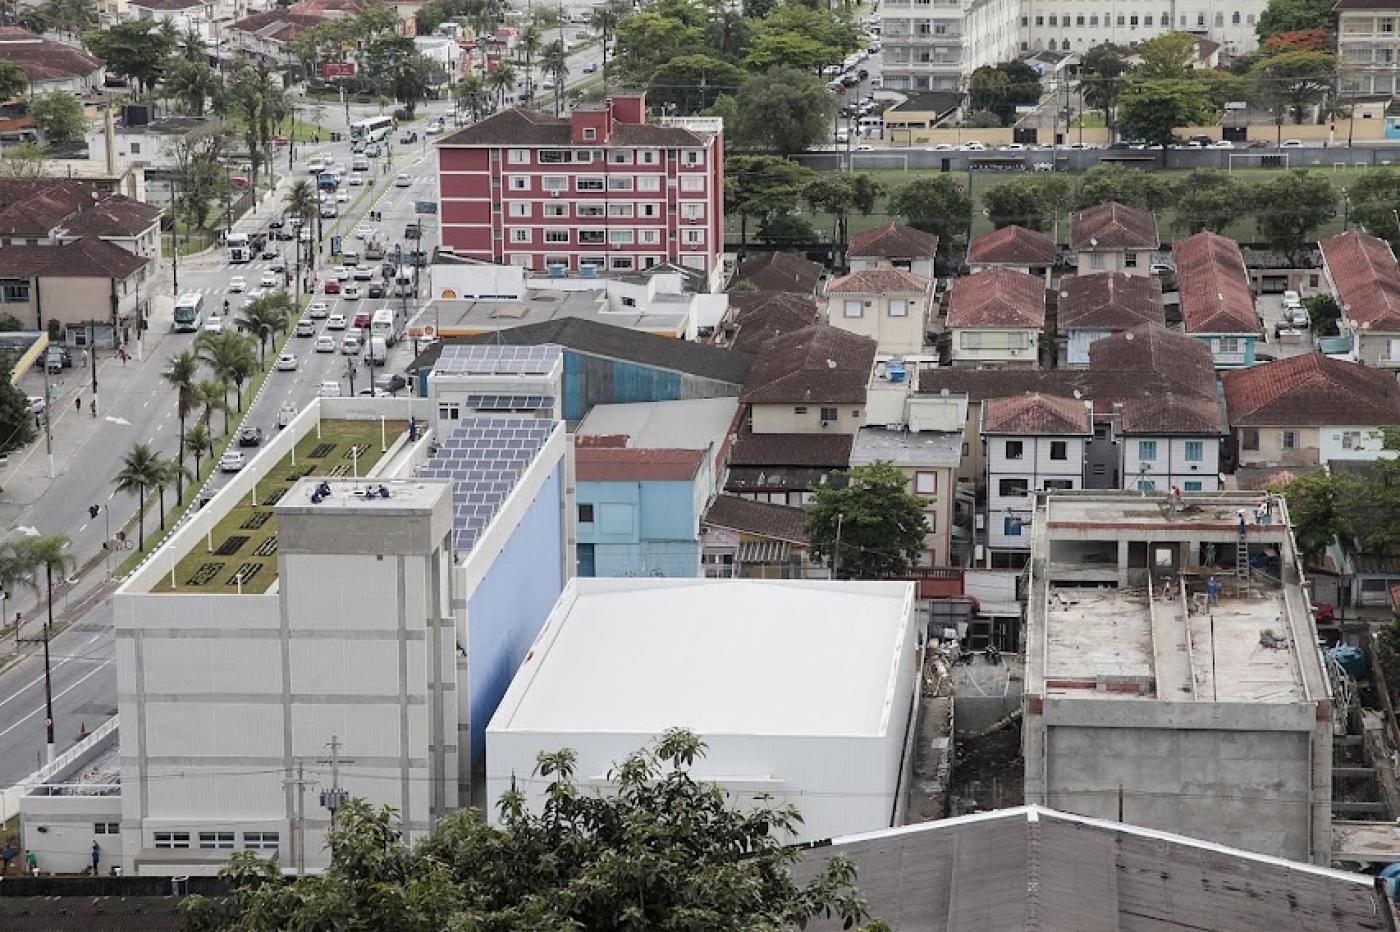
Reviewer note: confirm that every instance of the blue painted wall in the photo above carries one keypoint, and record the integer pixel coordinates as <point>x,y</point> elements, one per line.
<point>1238,360</point>
<point>511,603</point>
<point>640,528</point>
<point>591,380</point>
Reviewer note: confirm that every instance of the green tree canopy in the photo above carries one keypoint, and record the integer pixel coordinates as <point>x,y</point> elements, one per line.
<point>662,851</point>
<point>839,193</point>
<point>59,116</point>
<point>800,36</point>
<point>1294,81</point>
<point>1167,57</point>
<point>1131,186</point>
<point>13,80</point>
<point>784,110</point>
<point>134,49</point>
<point>1289,208</point>
<point>1281,16</point>
<point>935,204</point>
<point>648,40</point>
<point>1209,199</point>
<point>1031,201</point>
<point>16,423</point>
<point>880,526</point>
<point>691,83</point>
<point>1101,72</point>
<point>1152,109</point>
<point>1001,89</point>
<point>1375,198</point>
<point>759,186</point>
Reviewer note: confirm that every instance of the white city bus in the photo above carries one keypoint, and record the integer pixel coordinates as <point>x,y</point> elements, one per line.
<point>388,323</point>
<point>239,249</point>
<point>189,313</point>
<point>373,129</point>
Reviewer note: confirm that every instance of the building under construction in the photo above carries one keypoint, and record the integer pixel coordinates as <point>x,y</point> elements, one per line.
<point>1173,677</point>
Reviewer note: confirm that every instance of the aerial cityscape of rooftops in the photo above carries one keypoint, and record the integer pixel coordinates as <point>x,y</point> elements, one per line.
<point>667,464</point>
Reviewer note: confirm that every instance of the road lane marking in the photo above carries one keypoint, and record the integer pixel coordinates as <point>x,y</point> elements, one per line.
<point>39,711</point>
<point>40,678</point>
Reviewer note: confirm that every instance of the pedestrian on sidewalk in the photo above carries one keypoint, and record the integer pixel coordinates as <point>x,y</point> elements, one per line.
<point>7,854</point>
<point>78,403</point>
<point>96,856</point>
<point>92,405</point>
<point>31,862</point>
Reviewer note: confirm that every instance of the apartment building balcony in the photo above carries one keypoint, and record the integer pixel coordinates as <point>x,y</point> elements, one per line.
<point>920,39</point>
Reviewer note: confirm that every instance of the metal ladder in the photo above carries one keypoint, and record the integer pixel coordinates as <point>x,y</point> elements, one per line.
<point>1241,563</point>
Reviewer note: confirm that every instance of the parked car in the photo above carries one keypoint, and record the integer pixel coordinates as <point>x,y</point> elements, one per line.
<point>1292,299</point>
<point>232,461</point>
<point>325,344</point>
<point>390,382</point>
<point>286,362</point>
<point>1298,317</point>
<point>57,358</point>
<point>250,436</point>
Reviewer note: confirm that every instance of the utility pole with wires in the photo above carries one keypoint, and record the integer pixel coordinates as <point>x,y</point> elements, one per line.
<point>301,782</point>
<point>334,797</point>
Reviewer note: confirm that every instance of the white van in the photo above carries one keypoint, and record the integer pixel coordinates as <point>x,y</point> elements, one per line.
<point>378,351</point>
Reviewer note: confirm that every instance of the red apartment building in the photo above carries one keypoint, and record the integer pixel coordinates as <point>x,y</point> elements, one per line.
<point>602,188</point>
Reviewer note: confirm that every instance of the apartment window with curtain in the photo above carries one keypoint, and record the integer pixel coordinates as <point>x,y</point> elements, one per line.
<point>1195,451</point>
<point>1147,449</point>
<point>854,308</point>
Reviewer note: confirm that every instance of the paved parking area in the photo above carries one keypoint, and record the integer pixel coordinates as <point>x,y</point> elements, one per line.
<point>1271,312</point>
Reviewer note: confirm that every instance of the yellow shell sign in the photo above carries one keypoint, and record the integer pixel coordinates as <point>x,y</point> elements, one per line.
<point>448,294</point>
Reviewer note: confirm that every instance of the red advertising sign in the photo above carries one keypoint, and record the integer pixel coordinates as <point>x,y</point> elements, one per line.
<point>338,69</point>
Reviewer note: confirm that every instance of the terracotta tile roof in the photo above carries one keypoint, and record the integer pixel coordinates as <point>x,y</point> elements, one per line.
<point>82,258</point>
<point>1311,390</point>
<point>879,281</point>
<point>779,522</point>
<point>629,464</point>
<point>1109,301</point>
<point>998,297</point>
<point>1112,226</point>
<point>1182,362</point>
<point>828,451</point>
<point>520,127</point>
<point>1012,245</point>
<point>1363,270</point>
<point>166,4</point>
<point>779,271</point>
<point>1170,413</point>
<point>44,59</point>
<point>1213,285</point>
<point>1035,414</point>
<point>894,240</point>
<point>755,317</point>
<point>278,25</point>
<point>814,365</point>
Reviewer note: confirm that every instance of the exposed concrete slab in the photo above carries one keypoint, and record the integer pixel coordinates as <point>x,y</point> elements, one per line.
<point>1375,842</point>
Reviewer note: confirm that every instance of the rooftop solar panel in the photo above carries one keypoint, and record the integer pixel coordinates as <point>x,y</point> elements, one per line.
<point>496,359</point>
<point>484,458</point>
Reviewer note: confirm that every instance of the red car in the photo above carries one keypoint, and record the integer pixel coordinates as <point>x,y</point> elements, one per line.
<point>332,286</point>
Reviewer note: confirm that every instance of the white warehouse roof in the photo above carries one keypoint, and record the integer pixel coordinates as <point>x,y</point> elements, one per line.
<point>717,656</point>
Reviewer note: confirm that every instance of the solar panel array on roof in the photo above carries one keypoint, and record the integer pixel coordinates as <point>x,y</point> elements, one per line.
<point>496,359</point>
<point>484,458</point>
<point>510,402</point>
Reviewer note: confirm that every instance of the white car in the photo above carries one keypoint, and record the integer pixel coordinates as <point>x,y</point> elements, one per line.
<point>342,273</point>
<point>945,147</point>
<point>1013,147</point>
<point>237,284</point>
<point>317,310</point>
<point>1291,144</point>
<point>402,181</point>
<point>341,197</point>
<point>335,322</point>
<point>1223,144</point>
<point>286,362</point>
<point>351,291</point>
<point>325,344</point>
<point>350,346</point>
<point>269,280</point>
<point>232,461</point>
<point>434,128</point>
<point>214,324</point>
<point>364,231</point>
<point>356,180</point>
<point>329,390</point>
<point>973,146</point>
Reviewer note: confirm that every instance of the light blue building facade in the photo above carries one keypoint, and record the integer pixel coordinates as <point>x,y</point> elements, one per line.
<point>640,519</point>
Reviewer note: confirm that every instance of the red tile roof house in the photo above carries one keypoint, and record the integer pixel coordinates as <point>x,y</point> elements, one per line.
<point>1016,248</point>
<point>747,538</point>
<point>755,317</point>
<point>1091,307</point>
<point>1114,237</point>
<point>1217,305</point>
<point>888,305</point>
<point>639,510</point>
<point>49,65</point>
<point>1361,271</point>
<point>896,246</point>
<point>1033,442</point>
<point>997,318</point>
<point>1307,410</point>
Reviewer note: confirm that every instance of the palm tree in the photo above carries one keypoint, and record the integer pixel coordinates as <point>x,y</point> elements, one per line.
<point>198,442</point>
<point>168,472</point>
<point>219,351</point>
<point>243,364</point>
<point>303,205</point>
<point>471,95</point>
<point>213,396</point>
<point>556,65</point>
<point>265,316</point>
<point>529,45</point>
<point>48,552</point>
<point>14,569</point>
<point>140,471</point>
<point>501,79</point>
<point>180,376</point>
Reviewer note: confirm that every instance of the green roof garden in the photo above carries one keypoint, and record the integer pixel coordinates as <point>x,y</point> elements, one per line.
<point>240,554</point>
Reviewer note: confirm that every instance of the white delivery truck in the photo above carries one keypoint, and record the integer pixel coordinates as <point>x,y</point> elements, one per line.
<point>378,351</point>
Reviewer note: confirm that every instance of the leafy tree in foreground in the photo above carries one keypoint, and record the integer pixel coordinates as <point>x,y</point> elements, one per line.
<point>1209,199</point>
<point>1283,16</point>
<point>879,524</point>
<point>1031,201</point>
<point>1290,207</point>
<point>1102,67</point>
<point>13,80</point>
<point>935,204</point>
<point>757,186</point>
<point>16,423</point>
<point>59,117</point>
<point>784,110</point>
<point>1323,314</point>
<point>1130,186</point>
<point>1375,197</point>
<point>1294,81</point>
<point>1167,57</point>
<point>661,852</point>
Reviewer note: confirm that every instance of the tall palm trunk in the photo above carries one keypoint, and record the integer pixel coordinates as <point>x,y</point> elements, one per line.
<point>180,461</point>
<point>162,507</point>
<point>141,520</point>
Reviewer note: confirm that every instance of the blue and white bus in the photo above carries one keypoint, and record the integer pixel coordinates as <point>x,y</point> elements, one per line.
<point>189,313</point>
<point>374,129</point>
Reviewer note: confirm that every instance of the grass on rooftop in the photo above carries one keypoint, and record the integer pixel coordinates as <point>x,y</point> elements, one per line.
<point>244,542</point>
